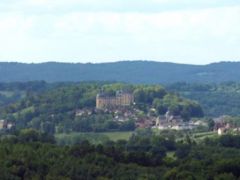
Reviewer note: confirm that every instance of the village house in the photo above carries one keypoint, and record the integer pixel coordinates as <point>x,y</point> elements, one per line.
<point>145,122</point>
<point>83,112</point>
<point>169,121</point>
<point>4,124</point>
<point>221,126</point>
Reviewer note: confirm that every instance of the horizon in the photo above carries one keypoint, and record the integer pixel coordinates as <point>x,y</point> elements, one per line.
<point>76,31</point>
<point>120,61</point>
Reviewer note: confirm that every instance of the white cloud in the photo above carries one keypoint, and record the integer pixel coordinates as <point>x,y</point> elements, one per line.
<point>210,33</point>
<point>143,6</point>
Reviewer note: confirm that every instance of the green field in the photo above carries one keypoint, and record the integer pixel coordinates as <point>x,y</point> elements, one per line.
<point>181,135</point>
<point>201,136</point>
<point>114,136</point>
<point>95,138</point>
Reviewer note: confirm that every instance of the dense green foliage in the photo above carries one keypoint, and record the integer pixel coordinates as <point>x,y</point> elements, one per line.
<point>54,110</point>
<point>215,99</point>
<point>159,98</point>
<point>13,92</point>
<point>147,72</point>
<point>31,155</point>
<point>92,137</point>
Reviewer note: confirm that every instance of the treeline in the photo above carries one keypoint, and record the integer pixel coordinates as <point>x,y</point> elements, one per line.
<point>215,99</point>
<point>13,92</point>
<point>54,109</point>
<point>29,154</point>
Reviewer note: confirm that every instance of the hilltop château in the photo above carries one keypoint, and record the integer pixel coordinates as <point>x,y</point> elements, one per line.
<point>121,98</point>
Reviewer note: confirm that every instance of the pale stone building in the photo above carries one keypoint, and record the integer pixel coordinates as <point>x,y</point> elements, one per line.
<point>121,98</point>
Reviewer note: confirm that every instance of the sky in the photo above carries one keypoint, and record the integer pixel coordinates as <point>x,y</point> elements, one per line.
<point>181,31</point>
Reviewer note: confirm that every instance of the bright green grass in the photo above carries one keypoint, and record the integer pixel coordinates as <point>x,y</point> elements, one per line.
<point>95,138</point>
<point>114,136</point>
<point>74,138</point>
<point>205,134</point>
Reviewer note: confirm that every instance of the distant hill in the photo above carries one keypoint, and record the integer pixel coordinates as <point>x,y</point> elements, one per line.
<point>215,99</point>
<point>126,71</point>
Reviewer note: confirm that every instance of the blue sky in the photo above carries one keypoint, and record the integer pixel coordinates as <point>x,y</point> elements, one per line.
<point>182,31</point>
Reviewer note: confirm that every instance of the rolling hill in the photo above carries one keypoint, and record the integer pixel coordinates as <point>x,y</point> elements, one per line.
<point>147,72</point>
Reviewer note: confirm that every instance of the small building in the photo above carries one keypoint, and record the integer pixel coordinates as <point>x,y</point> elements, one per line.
<point>221,131</point>
<point>82,112</point>
<point>3,124</point>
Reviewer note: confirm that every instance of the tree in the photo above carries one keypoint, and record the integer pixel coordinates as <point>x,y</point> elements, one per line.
<point>211,124</point>
<point>48,127</point>
<point>225,176</point>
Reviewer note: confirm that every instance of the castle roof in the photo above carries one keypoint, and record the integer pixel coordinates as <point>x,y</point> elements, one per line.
<point>104,95</point>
